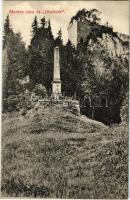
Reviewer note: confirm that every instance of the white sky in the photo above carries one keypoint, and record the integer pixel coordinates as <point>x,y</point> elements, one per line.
<point>115,12</point>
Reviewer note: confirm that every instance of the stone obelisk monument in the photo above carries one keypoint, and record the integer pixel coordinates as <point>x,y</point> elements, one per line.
<point>56,84</point>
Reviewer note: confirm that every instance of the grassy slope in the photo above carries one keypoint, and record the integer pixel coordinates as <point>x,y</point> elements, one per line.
<point>55,154</point>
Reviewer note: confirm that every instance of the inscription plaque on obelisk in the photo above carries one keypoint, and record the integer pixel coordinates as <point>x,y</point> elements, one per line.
<point>56,85</point>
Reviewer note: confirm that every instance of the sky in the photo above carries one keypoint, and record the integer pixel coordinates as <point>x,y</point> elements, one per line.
<point>115,12</point>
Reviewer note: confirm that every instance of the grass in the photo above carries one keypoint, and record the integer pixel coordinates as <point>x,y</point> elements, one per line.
<point>51,153</point>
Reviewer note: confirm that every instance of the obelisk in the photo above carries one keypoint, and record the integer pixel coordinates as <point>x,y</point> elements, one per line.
<point>56,84</point>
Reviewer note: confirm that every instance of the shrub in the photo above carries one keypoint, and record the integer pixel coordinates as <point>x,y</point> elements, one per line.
<point>124,112</point>
<point>40,90</point>
<point>12,102</point>
<point>74,109</point>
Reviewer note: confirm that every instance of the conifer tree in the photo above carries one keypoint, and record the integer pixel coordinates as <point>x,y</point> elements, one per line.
<point>35,26</point>
<point>43,22</point>
<point>15,63</point>
<point>49,30</point>
<point>59,40</point>
<point>7,31</point>
<point>41,56</point>
<point>68,69</point>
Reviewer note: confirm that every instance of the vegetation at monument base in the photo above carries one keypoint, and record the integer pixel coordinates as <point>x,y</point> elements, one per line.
<point>53,153</point>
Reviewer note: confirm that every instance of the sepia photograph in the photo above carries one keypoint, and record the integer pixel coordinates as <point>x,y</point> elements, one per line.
<point>65,99</point>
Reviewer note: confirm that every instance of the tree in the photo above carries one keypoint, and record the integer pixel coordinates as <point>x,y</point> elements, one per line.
<point>92,15</point>
<point>7,31</point>
<point>68,69</point>
<point>49,30</point>
<point>59,40</point>
<point>110,77</point>
<point>41,56</point>
<point>18,63</point>
<point>7,28</point>
<point>15,63</point>
<point>35,26</point>
<point>43,22</point>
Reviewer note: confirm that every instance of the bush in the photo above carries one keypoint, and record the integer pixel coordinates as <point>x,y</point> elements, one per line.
<point>12,102</point>
<point>24,101</point>
<point>73,108</point>
<point>124,112</point>
<point>40,90</point>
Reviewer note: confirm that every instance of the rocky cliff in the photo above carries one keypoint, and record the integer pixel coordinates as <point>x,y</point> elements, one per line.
<point>84,27</point>
<point>114,45</point>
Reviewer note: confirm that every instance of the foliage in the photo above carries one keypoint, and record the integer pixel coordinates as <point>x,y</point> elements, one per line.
<point>15,63</point>
<point>103,74</point>
<point>90,15</point>
<point>58,40</point>
<point>125,110</point>
<point>35,26</point>
<point>41,54</point>
<point>40,90</point>
<point>68,69</point>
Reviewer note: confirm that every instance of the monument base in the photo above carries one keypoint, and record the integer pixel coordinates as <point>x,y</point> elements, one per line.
<point>65,103</point>
<point>56,87</point>
<point>56,96</point>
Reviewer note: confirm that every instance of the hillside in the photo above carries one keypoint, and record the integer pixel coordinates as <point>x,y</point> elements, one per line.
<point>53,153</point>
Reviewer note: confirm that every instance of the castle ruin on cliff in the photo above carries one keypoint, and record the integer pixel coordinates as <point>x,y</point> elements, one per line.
<point>83,27</point>
<point>80,27</point>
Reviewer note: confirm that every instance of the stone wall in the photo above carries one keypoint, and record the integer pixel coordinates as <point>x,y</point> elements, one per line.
<point>67,103</point>
<point>81,29</point>
<point>85,28</point>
